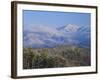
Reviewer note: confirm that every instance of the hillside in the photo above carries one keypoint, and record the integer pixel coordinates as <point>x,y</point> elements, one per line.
<point>61,56</point>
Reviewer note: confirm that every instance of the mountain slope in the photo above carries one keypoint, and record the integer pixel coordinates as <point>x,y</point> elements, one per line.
<point>43,36</point>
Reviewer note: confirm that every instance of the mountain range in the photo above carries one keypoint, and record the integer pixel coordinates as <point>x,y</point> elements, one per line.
<point>47,37</point>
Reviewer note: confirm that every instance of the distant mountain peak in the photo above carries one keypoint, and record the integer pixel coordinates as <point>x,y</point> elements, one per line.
<point>70,28</point>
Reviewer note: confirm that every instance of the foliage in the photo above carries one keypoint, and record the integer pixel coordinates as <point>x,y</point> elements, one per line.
<point>63,56</point>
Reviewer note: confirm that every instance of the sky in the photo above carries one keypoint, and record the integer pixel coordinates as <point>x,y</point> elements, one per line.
<point>54,19</point>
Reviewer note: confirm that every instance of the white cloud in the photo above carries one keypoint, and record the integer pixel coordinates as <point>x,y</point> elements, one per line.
<point>40,35</point>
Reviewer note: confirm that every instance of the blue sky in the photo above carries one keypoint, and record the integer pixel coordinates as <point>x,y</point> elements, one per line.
<point>54,19</point>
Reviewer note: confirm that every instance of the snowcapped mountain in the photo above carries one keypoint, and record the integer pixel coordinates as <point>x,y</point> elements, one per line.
<point>43,36</point>
<point>69,28</point>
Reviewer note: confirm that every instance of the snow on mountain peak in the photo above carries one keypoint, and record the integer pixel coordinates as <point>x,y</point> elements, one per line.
<point>71,28</point>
